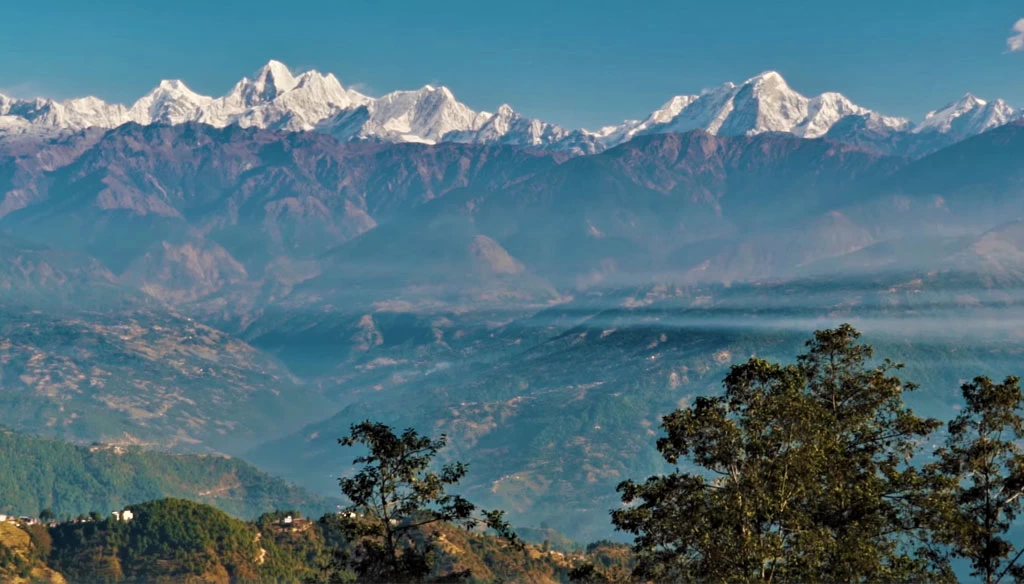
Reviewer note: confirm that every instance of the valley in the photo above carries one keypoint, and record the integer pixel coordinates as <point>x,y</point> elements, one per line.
<point>222,286</point>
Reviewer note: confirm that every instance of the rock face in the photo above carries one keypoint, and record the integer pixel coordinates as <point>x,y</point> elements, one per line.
<point>276,98</point>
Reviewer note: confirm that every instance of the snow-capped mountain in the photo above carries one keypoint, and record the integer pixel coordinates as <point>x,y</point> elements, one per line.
<point>424,115</point>
<point>508,126</point>
<point>28,116</point>
<point>966,117</point>
<point>171,102</point>
<point>764,103</point>
<point>276,98</point>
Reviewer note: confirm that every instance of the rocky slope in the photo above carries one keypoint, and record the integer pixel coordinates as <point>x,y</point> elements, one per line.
<point>84,358</point>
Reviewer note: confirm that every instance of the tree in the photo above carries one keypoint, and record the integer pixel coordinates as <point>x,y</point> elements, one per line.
<point>588,574</point>
<point>608,563</point>
<point>802,474</point>
<point>394,496</point>
<point>983,465</point>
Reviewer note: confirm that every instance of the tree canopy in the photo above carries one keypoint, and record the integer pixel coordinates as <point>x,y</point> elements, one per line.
<point>797,473</point>
<point>394,494</point>
<point>982,469</point>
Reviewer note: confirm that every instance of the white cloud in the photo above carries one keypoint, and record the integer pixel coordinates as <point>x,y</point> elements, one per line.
<point>1015,43</point>
<point>363,88</point>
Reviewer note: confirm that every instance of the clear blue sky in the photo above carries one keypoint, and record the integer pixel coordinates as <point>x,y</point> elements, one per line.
<point>575,62</point>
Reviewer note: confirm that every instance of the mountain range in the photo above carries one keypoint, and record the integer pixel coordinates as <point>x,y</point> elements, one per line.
<point>250,274</point>
<point>278,99</point>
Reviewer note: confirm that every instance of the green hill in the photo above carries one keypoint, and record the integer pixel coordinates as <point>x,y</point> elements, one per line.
<point>38,473</point>
<point>173,540</point>
<point>170,540</point>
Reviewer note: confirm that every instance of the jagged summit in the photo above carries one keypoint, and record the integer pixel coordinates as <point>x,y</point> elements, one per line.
<point>272,80</point>
<point>763,103</point>
<point>771,79</point>
<point>967,116</point>
<point>275,97</point>
<point>174,85</point>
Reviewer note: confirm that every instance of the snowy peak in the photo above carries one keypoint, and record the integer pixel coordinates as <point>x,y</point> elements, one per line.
<point>965,104</point>
<point>769,83</point>
<point>271,81</point>
<point>173,86</point>
<point>507,126</point>
<point>672,108</point>
<point>966,117</point>
<point>171,102</point>
<point>826,110</point>
<point>275,97</point>
<point>619,133</point>
<point>274,79</point>
<point>500,124</point>
<point>423,115</point>
<point>49,116</point>
<point>764,103</point>
<point>92,111</point>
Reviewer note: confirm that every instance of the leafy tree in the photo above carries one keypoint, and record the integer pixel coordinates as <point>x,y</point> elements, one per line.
<point>983,465</point>
<point>606,563</point>
<point>394,496</point>
<point>588,573</point>
<point>803,475</point>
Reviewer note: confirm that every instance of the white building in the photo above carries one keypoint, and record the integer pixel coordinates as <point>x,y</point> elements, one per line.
<point>125,515</point>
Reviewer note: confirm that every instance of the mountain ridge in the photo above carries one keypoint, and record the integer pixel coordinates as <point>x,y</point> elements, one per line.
<point>276,98</point>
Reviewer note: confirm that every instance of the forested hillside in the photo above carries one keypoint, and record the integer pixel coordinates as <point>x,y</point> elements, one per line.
<point>69,480</point>
<point>173,540</point>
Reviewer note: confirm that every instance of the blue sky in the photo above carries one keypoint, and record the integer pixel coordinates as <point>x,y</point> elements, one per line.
<point>575,62</point>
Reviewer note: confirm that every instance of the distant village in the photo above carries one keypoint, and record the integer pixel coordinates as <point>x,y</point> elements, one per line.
<point>24,520</point>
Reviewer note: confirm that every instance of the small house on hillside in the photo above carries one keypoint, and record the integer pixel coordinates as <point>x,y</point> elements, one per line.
<point>125,515</point>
